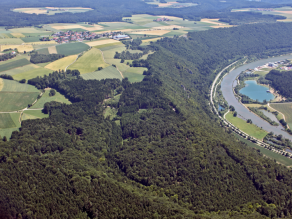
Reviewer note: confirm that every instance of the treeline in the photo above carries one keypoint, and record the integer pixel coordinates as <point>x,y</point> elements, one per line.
<point>281,81</point>
<point>42,58</point>
<point>7,56</point>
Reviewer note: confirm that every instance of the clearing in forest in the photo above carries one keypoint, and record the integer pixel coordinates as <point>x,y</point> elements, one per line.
<point>47,98</point>
<point>248,128</point>
<point>89,62</point>
<point>109,72</point>
<point>62,63</point>
<point>286,109</point>
<point>33,114</point>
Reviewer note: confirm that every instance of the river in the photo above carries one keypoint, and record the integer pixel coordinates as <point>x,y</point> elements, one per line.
<point>229,82</point>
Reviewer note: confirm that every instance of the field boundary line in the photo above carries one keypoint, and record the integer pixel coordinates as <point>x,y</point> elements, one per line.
<point>109,64</point>
<point>281,113</point>
<point>72,62</point>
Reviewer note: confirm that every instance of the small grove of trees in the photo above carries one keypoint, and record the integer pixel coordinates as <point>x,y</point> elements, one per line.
<point>5,76</point>
<point>7,56</point>
<point>235,114</point>
<point>41,58</point>
<point>52,92</point>
<point>249,121</point>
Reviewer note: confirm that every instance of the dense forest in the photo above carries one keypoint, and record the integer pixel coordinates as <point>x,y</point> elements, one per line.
<point>105,11</point>
<point>281,81</point>
<point>163,154</point>
<point>42,58</point>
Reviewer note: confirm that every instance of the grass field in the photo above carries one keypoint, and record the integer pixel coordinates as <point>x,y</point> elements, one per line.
<point>44,51</point>
<point>61,63</point>
<point>71,48</point>
<point>52,50</point>
<point>32,73</point>
<point>112,113</point>
<point>13,101</point>
<point>30,39</point>
<point>14,64</point>
<point>286,109</point>
<point>279,158</point>
<point>14,86</point>
<point>33,114</point>
<point>109,72</point>
<point>17,35</point>
<point>89,62</point>
<point>46,98</point>
<point>249,129</point>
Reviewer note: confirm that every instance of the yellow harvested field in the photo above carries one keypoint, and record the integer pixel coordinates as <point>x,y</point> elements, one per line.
<point>52,50</point>
<point>93,28</point>
<point>20,48</point>
<point>154,32</point>
<point>101,42</point>
<point>153,40</point>
<point>41,43</point>
<point>72,26</point>
<point>1,84</point>
<point>72,8</point>
<point>61,63</point>
<point>18,35</point>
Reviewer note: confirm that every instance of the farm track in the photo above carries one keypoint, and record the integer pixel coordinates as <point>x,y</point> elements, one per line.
<point>72,62</point>
<point>109,64</point>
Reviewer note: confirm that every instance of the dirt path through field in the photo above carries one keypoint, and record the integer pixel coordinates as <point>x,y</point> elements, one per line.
<point>109,64</point>
<point>72,62</point>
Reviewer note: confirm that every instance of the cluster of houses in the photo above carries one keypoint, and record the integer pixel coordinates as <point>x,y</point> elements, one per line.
<point>162,19</point>
<point>67,36</point>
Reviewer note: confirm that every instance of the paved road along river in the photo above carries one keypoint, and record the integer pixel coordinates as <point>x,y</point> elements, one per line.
<point>229,82</point>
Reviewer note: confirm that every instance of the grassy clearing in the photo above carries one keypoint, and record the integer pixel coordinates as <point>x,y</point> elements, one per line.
<point>279,158</point>
<point>14,64</point>
<point>249,129</point>
<point>134,74</point>
<point>14,86</point>
<point>46,98</point>
<point>61,64</point>
<point>89,62</point>
<point>33,114</point>
<point>32,73</point>
<point>286,109</point>
<point>13,101</point>
<point>7,132</point>
<point>20,69</point>
<point>10,41</point>
<point>71,48</point>
<point>112,113</point>
<point>109,72</point>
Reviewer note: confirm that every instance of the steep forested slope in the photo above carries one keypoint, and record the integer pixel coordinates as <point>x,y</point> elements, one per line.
<point>281,81</point>
<point>163,155</point>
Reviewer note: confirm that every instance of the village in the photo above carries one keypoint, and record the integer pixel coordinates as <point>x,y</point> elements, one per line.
<point>69,35</point>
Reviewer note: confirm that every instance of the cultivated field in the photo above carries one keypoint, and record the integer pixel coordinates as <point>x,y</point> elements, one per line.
<point>46,98</point>
<point>14,64</point>
<point>32,73</point>
<point>1,84</point>
<point>6,120</point>
<point>20,48</point>
<point>102,42</point>
<point>52,50</point>
<point>14,86</point>
<point>10,41</point>
<point>249,129</point>
<point>17,35</point>
<point>13,101</point>
<point>286,109</point>
<point>20,70</point>
<point>71,48</point>
<point>153,32</point>
<point>109,72</point>
<point>61,64</point>
<point>89,62</point>
<point>48,10</point>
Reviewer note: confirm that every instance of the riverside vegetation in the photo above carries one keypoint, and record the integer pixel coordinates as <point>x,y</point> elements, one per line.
<point>163,154</point>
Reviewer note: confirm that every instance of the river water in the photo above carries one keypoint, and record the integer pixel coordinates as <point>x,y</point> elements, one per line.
<point>256,91</point>
<point>229,82</point>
